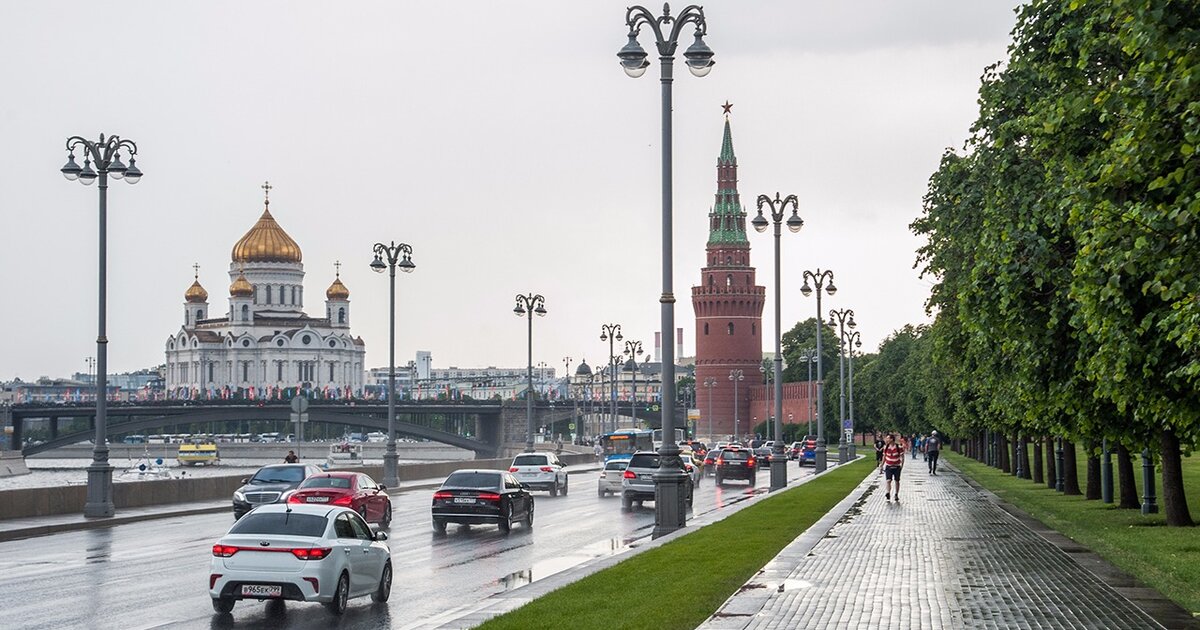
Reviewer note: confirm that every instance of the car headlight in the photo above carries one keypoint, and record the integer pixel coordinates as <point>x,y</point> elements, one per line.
<point>238,496</point>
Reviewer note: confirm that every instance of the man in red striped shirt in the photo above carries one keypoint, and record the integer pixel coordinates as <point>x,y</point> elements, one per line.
<point>893,461</point>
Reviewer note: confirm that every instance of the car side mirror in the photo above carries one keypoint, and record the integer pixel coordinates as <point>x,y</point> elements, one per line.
<point>524,486</point>
<point>382,487</point>
<point>381,536</point>
<point>245,480</point>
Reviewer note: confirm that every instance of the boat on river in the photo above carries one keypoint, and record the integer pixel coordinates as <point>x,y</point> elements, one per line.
<point>198,454</point>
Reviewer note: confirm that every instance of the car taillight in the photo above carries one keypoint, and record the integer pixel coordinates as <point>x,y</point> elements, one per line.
<point>345,499</point>
<point>489,496</point>
<point>629,474</point>
<point>442,495</point>
<point>512,469</point>
<point>547,469</point>
<point>312,553</point>
<point>224,551</point>
<point>750,462</point>
<point>720,462</point>
<point>294,499</point>
<point>212,580</point>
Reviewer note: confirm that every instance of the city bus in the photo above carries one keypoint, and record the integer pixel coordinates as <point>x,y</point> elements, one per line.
<point>623,443</point>
<point>680,436</point>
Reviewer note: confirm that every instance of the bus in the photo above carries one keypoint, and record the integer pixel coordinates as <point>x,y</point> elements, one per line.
<point>680,436</point>
<point>623,443</point>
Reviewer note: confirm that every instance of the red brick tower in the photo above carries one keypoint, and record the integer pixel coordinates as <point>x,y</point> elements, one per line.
<point>728,307</point>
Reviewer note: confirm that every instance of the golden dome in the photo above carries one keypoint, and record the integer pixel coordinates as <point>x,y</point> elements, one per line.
<point>337,290</point>
<point>266,242</point>
<point>241,287</point>
<point>196,293</point>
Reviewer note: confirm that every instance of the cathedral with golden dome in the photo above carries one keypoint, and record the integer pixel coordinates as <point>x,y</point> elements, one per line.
<point>265,344</point>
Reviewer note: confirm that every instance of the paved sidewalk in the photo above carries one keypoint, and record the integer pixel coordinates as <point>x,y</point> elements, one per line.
<point>949,556</point>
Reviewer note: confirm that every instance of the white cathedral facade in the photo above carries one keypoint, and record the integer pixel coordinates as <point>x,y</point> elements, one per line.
<point>264,344</point>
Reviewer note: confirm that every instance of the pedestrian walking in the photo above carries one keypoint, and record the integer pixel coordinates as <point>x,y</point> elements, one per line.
<point>893,463</point>
<point>933,444</point>
<point>916,442</point>
<point>599,451</point>
<point>879,444</point>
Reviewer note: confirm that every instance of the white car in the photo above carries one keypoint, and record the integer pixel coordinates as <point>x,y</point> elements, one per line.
<point>694,470</point>
<point>540,471</point>
<point>308,553</point>
<point>610,477</point>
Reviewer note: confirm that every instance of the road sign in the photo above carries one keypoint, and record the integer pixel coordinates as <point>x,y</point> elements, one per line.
<point>849,435</point>
<point>571,426</point>
<point>299,404</point>
<point>299,417</point>
<point>847,424</point>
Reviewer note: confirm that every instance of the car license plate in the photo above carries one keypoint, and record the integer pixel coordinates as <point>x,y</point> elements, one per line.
<point>261,590</point>
<point>464,499</point>
<point>318,499</point>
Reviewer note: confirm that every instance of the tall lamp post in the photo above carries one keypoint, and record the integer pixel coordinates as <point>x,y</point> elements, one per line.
<point>819,278</point>
<point>842,318</point>
<point>612,334</point>
<point>390,257</point>
<point>633,349</point>
<point>107,155</point>
<point>810,357</point>
<point>669,510</point>
<point>853,340</point>
<point>528,306</point>
<point>571,394</point>
<point>709,384</point>
<point>778,208</point>
<point>736,376</point>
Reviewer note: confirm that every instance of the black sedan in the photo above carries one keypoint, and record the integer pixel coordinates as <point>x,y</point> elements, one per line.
<point>482,497</point>
<point>270,485</point>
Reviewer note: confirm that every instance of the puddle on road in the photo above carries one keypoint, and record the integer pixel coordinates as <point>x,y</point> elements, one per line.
<point>550,566</point>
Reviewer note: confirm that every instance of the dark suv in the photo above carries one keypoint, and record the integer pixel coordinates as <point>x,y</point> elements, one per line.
<point>269,484</point>
<point>637,483</point>
<point>735,462</point>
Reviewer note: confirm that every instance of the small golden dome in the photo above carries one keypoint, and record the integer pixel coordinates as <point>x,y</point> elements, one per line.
<point>241,287</point>
<point>337,290</point>
<point>266,242</point>
<point>196,293</point>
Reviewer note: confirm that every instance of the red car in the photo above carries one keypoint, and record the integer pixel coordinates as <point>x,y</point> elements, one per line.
<point>348,489</point>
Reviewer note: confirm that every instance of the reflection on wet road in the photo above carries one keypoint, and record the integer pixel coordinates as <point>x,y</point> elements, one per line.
<point>154,574</point>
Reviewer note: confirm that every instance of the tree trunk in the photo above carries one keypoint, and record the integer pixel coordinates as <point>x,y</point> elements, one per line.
<point>1129,493</point>
<point>1051,471</point>
<point>1023,452</point>
<point>1093,472</point>
<point>1016,454</point>
<point>1071,474</point>
<point>1037,461</point>
<point>1002,451</point>
<point>1173,499</point>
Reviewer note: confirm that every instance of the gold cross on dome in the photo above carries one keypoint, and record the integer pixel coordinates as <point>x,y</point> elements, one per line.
<point>196,268</point>
<point>337,264</point>
<point>267,192</point>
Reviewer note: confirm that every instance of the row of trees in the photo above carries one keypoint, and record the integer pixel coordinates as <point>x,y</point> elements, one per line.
<point>1065,244</point>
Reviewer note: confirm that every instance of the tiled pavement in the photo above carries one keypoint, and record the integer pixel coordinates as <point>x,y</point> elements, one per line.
<point>946,557</point>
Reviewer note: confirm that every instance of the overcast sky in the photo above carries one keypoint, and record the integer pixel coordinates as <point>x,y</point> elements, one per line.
<point>500,139</point>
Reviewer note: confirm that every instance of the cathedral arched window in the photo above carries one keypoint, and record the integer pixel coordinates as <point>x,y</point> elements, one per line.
<point>245,313</point>
<point>199,315</point>
<point>341,316</point>
<point>293,295</point>
<point>281,294</point>
<point>268,294</point>
<point>730,331</point>
<point>706,328</point>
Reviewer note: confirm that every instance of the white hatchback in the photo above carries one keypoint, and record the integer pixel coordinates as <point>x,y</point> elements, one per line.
<point>308,553</point>
<point>540,471</point>
<point>611,477</point>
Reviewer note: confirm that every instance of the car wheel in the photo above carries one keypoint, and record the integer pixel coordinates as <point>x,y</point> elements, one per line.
<point>601,493</point>
<point>566,482</point>
<point>341,596</point>
<point>626,503</point>
<point>554,488</point>
<point>439,526</point>
<point>223,605</point>
<point>387,515</point>
<point>506,520</point>
<point>720,479</point>
<point>751,480</point>
<point>382,593</point>
<point>529,516</point>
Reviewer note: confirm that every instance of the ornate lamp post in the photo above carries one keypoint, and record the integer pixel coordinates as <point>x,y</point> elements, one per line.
<point>107,155</point>
<point>669,510</point>
<point>709,384</point>
<point>736,376</point>
<point>810,357</point>
<point>842,318</point>
<point>633,348</point>
<point>612,334</point>
<point>853,340</point>
<point>819,278</point>
<point>778,208</point>
<point>389,257</point>
<point>528,306</point>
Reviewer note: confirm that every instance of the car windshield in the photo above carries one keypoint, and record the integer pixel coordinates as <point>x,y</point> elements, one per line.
<point>735,455</point>
<point>529,460</point>
<point>280,523</point>
<point>643,461</point>
<point>616,465</point>
<point>282,474</point>
<point>326,482</point>
<point>473,480</point>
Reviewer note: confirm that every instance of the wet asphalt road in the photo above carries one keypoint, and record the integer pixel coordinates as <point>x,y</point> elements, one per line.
<point>154,574</point>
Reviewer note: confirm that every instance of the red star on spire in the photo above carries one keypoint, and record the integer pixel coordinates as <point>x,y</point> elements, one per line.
<point>727,106</point>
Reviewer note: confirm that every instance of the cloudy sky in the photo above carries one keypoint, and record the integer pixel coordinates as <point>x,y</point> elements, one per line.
<point>500,139</point>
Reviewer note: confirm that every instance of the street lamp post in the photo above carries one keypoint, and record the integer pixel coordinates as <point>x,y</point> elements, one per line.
<point>574,403</point>
<point>709,384</point>
<point>736,376</point>
<point>842,318</point>
<point>612,334</point>
<point>633,348</point>
<point>778,208</point>
<point>819,278</point>
<point>107,155</point>
<point>528,306</point>
<point>669,509</point>
<point>853,340</point>
<point>390,257</point>
<point>810,357</point>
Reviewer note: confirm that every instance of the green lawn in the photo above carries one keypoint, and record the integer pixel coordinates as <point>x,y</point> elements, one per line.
<point>1167,558</point>
<point>681,583</point>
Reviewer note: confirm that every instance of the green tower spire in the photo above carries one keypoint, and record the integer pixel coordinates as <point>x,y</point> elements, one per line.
<point>727,218</point>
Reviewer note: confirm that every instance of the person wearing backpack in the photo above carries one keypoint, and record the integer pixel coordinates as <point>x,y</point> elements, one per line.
<point>933,444</point>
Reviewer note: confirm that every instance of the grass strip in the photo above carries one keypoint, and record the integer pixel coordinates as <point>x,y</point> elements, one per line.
<point>681,583</point>
<point>1166,558</point>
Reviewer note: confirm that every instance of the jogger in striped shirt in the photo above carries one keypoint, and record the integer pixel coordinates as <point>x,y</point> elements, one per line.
<point>893,461</point>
